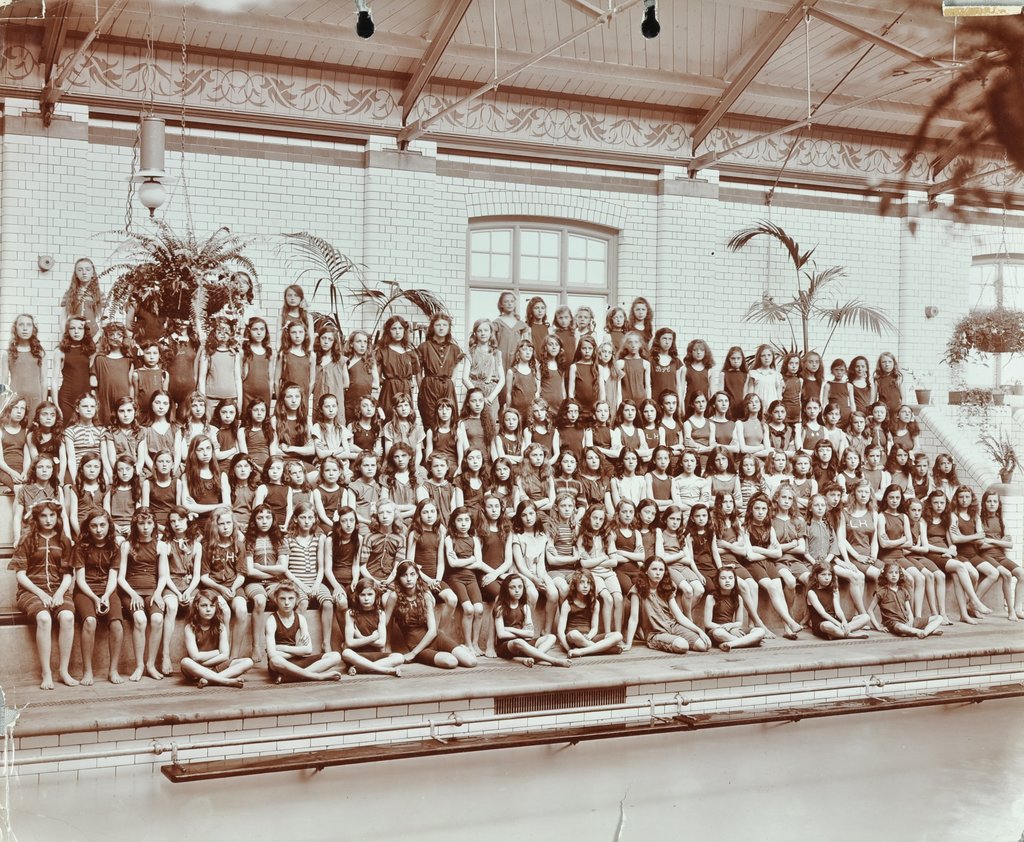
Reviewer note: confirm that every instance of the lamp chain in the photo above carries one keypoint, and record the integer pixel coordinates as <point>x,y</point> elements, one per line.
<point>184,124</point>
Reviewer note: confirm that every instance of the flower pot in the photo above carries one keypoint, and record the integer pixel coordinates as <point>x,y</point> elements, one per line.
<point>1006,476</point>
<point>997,398</point>
<point>956,398</point>
<point>1017,389</point>
<point>923,396</point>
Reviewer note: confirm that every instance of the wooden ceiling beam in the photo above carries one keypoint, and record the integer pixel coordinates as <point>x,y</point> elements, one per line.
<point>760,57</point>
<point>448,21</point>
<point>420,127</point>
<point>55,33</point>
<point>709,159</point>
<point>584,6</point>
<point>872,38</point>
<point>54,88</point>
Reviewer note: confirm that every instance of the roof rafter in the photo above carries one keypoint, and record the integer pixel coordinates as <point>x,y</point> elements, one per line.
<point>448,21</point>
<point>421,126</point>
<point>55,33</point>
<point>711,158</point>
<point>760,57</point>
<point>871,37</point>
<point>53,90</point>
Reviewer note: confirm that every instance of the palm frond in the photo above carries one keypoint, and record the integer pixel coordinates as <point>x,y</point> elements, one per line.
<point>769,229</point>
<point>856,313</point>
<point>767,311</point>
<point>817,281</point>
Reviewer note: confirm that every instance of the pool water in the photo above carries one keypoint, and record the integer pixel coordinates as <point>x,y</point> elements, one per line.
<point>945,773</point>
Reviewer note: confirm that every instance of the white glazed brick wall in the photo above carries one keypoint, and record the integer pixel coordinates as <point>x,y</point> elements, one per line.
<point>65,197</point>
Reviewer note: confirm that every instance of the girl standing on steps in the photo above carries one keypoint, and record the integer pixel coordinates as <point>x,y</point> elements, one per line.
<point>257,363</point>
<point>207,659</point>
<point>513,628</point>
<point>73,360</point>
<point>42,566</point>
<point>179,557</point>
<point>96,568</point>
<point>138,579</point>
<point>27,366</point>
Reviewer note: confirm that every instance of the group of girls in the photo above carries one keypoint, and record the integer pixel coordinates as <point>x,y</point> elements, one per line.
<point>576,501</point>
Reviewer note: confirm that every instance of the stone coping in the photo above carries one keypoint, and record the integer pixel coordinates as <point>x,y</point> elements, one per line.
<point>171,701</point>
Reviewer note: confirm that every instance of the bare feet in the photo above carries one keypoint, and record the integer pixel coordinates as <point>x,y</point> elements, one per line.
<point>969,620</point>
<point>47,682</point>
<point>572,653</point>
<point>1020,614</point>
<point>396,672</point>
<point>351,670</point>
<point>259,656</point>
<point>153,672</point>
<point>87,679</point>
<point>234,682</point>
<point>725,647</point>
<point>201,683</point>
<point>769,634</point>
<point>67,679</point>
<point>982,608</point>
<point>166,667</point>
<point>921,633</point>
<point>331,675</point>
<point>116,678</point>
<point>946,621</point>
<point>1011,616</point>
<point>528,662</point>
<point>561,662</point>
<point>136,674</point>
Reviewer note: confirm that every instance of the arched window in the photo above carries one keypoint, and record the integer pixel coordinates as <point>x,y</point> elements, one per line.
<point>564,264</point>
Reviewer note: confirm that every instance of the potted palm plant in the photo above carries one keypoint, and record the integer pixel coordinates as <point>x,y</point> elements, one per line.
<point>341,276</point>
<point>1003,454</point>
<point>812,287</point>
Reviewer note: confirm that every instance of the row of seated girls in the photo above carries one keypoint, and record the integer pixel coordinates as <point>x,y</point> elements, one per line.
<point>587,510</point>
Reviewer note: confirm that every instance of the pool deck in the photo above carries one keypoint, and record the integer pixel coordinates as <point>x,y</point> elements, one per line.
<point>173,702</point>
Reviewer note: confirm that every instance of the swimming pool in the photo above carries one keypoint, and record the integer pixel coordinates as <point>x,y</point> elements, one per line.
<point>945,773</point>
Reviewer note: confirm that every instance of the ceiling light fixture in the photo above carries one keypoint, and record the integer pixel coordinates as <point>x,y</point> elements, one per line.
<point>364,23</point>
<point>978,8</point>
<point>650,26</point>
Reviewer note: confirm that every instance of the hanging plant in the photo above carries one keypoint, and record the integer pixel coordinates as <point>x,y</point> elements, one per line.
<point>998,331</point>
<point>187,279</point>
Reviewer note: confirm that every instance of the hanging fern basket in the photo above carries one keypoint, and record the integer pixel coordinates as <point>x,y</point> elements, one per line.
<point>998,331</point>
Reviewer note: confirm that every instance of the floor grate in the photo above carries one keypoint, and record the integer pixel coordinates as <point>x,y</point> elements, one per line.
<point>560,700</point>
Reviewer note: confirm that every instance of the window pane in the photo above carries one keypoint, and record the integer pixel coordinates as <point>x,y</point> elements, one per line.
<point>588,261</point>
<point>490,254</point>
<point>539,256</point>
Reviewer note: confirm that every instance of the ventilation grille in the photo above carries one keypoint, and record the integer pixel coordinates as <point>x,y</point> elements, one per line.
<point>560,700</point>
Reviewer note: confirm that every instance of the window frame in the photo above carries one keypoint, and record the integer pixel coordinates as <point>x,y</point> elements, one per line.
<point>565,228</point>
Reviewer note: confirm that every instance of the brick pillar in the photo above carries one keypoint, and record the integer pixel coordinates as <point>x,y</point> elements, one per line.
<point>400,212</point>
<point>935,263</point>
<point>687,230</point>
